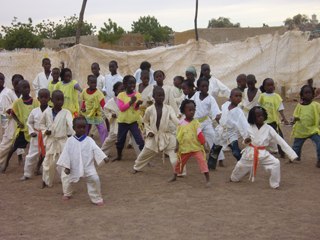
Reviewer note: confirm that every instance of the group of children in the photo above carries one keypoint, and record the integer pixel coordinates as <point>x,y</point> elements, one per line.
<point>177,121</point>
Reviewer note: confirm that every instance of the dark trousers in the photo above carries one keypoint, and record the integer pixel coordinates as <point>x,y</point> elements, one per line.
<point>216,149</point>
<point>122,135</point>
<point>274,125</point>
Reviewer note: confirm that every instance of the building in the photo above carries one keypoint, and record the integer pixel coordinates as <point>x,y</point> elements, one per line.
<point>314,19</point>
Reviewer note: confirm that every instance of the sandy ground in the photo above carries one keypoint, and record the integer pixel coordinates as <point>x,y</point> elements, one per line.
<point>145,206</point>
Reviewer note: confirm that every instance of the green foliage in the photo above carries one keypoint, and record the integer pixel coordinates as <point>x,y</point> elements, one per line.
<point>111,33</point>
<point>151,29</point>
<point>265,25</point>
<point>297,20</point>
<point>1,41</point>
<point>222,22</point>
<point>20,35</point>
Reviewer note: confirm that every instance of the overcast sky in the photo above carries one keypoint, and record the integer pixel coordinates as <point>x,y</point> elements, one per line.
<point>177,14</point>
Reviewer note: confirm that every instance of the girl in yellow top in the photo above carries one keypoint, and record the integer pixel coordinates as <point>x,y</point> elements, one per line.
<point>272,102</point>
<point>306,117</point>
<point>93,101</point>
<point>129,115</point>
<point>53,83</point>
<point>69,89</point>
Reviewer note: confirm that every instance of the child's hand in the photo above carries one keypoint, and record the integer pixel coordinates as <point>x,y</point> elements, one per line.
<point>106,160</point>
<point>139,103</point>
<point>285,121</point>
<point>247,140</point>
<point>150,134</point>
<point>133,100</point>
<point>176,149</point>
<point>67,171</point>
<point>114,115</point>
<point>48,132</point>
<point>296,119</point>
<point>20,125</point>
<point>104,93</point>
<point>33,134</point>
<point>149,102</point>
<point>83,109</point>
<point>218,117</point>
<point>206,149</point>
<point>9,111</point>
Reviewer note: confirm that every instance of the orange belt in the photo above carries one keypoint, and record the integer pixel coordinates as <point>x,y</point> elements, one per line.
<point>256,157</point>
<point>42,153</point>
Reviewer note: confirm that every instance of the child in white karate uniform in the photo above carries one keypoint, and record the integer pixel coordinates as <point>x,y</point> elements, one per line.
<point>78,158</point>
<point>145,66</point>
<point>42,79</point>
<point>111,79</point>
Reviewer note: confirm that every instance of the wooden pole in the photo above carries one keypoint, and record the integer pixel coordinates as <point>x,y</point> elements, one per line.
<point>195,22</point>
<point>80,21</point>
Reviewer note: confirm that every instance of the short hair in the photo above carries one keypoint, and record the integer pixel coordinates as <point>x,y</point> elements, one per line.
<point>55,69</point>
<point>184,103</point>
<point>157,89</point>
<point>78,119</point>
<point>91,76</point>
<point>262,89</point>
<point>202,65</point>
<point>200,80</point>
<point>56,92</point>
<point>180,78</point>
<point>251,77</point>
<point>2,74</point>
<point>189,83</point>
<point>252,114</point>
<point>145,65</point>
<point>126,79</point>
<point>159,71</point>
<point>234,90</point>
<point>144,72</point>
<point>45,59</point>
<point>242,76</point>
<point>44,90</point>
<point>23,82</point>
<point>96,64</point>
<point>114,62</point>
<point>303,88</point>
<point>19,76</point>
<point>64,71</point>
<point>116,85</point>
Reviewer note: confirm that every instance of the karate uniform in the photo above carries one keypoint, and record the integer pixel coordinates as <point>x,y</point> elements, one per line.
<point>109,81</point>
<point>246,104</point>
<point>146,95</point>
<point>177,94</point>
<point>218,89</point>
<point>3,119</point>
<point>262,138</point>
<point>78,155</point>
<point>101,82</point>
<point>60,127</point>
<point>41,81</point>
<point>163,139</point>
<point>137,76</point>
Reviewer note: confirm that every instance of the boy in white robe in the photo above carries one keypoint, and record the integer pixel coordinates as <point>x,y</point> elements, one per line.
<point>145,66</point>
<point>78,157</point>
<point>42,79</point>
<point>56,125</point>
<point>145,89</point>
<point>95,69</point>
<point>111,79</point>
<point>3,119</point>
<point>258,136</point>
<point>231,123</point>
<point>36,146</point>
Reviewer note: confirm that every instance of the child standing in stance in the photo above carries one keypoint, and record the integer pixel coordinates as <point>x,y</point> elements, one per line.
<point>78,158</point>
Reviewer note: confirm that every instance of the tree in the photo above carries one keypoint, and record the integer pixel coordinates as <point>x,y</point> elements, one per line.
<point>222,22</point>
<point>1,41</point>
<point>265,25</point>
<point>80,21</point>
<point>21,35</point>
<point>151,29</point>
<point>297,20</point>
<point>111,33</point>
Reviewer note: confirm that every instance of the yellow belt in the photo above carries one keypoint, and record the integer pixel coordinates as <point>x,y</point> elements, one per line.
<point>203,119</point>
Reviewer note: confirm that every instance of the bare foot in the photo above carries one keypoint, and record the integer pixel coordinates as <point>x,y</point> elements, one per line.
<point>150,164</point>
<point>318,164</point>
<point>3,169</point>
<point>129,146</point>
<point>289,161</point>
<point>278,188</point>
<point>133,171</point>
<point>222,164</point>
<point>172,179</point>
<point>116,159</point>
<point>37,172</point>
<point>208,185</point>
<point>20,160</point>
<point>43,185</point>
<point>24,178</point>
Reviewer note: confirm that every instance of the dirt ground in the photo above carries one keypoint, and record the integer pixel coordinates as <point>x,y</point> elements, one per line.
<point>145,206</point>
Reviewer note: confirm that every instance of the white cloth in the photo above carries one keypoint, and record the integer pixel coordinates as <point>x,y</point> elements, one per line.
<point>146,95</point>
<point>217,88</point>
<point>246,104</point>
<point>101,82</point>
<point>79,156</point>
<point>41,81</point>
<point>109,81</point>
<point>137,76</point>
<point>262,138</point>
<point>231,123</point>
<point>177,95</point>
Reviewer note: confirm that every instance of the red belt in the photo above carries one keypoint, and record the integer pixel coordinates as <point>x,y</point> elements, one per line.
<point>256,157</point>
<point>42,153</point>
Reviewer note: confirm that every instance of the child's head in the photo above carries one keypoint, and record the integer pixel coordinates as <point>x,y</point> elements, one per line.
<point>57,99</point>
<point>92,82</point>
<point>191,73</point>
<point>251,82</point>
<point>15,81</point>
<point>55,74</point>
<point>145,66</point>
<point>118,88</point>
<point>158,94</point>
<point>187,87</point>
<point>203,85</point>
<point>79,126</point>
<point>188,108</point>
<point>66,75</point>
<point>145,78</point>
<point>177,81</point>
<point>307,93</point>
<point>2,78</point>
<point>113,66</point>
<point>24,88</point>
<point>310,82</point>
<point>235,96</point>
<point>205,71</point>
<point>267,85</point>
<point>159,76</point>
<point>95,69</point>
<point>257,115</point>
<point>46,64</point>
<point>242,81</point>
<point>129,83</point>
<point>44,96</point>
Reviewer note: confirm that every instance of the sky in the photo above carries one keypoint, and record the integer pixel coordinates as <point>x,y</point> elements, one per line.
<point>177,14</point>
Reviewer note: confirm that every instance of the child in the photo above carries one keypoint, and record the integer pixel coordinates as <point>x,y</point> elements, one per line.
<point>258,136</point>
<point>187,87</point>
<point>7,99</point>
<point>20,112</point>
<point>242,82</point>
<point>111,110</point>
<point>93,101</point>
<point>216,87</point>
<point>69,89</point>
<point>190,142</point>
<point>129,115</point>
<point>43,78</point>
<point>159,138</point>
<point>250,95</point>
<point>53,83</point>
<point>56,125</point>
<point>191,74</point>
<point>36,147</point>
<point>306,117</point>
<point>78,158</point>
<point>272,102</point>
<point>144,88</point>
<point>145,66</point>
<point>207,109</point>
<point>177,90</point>
<point>95,69</point>
<point>231,123</point>
<point>3,119</point>
<point>111,79</point>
